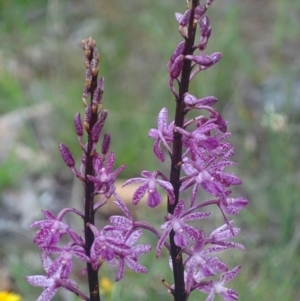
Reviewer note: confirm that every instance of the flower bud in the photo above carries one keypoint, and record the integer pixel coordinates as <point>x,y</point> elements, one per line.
<point>178,50</point>
<point>100,83</point>
<point>85,94</point>
<point>203,60</point>
<point>95,62</point>
<point>88,78</point>
<point>97,95</point>
<point>204,25</point>
<point>198,12</point>
<point>66,155</point>
<point>105,143</point>
<point>87,117</point>
<point>78,125</point>
<point>185,18</point>
<point>207,101</point>
<point>88,114</point>
<point>86,48</point>
<point>215,57</point>
<point>183,24</point>
<point>189,99</point>
<point>176,67</point>
<point>96,130</point>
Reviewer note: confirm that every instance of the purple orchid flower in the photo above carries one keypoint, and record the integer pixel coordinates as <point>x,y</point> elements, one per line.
<point>221,235</point>
<point>129,256</point>
<point>64,262</point>
<point>162,135</point>
<point>233,205</point>
<point>213,287</point>
<point>150,182</point>
<point>199,265</point>
<point>104,246</point>
<point>209,176</point>
<point>51,230</point>
<point>105,178</point>
<point>52,282</point>
<point>183,231</point>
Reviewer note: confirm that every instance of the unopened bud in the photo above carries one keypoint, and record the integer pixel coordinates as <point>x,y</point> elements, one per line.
<point>178,50</point>
<point>105,143</point>
<point>176,67</point>
<point>85,94</point>
<point>198,12</point>
<point>66,155</point>
<point>189,99</point>
<point>87,118</point>
<point>95,63</point>
<point>185,18</point>
<point>203,60</point>
<point>86,48</point>
<point>100,83</point>
<point>215,57</point>
<point>78,125</point>
<point>207,101</point>
<point>91,42</point>
<point>96,130</point>
<point>97,95</point>
<point>204,25</point>
<point>88,78</point>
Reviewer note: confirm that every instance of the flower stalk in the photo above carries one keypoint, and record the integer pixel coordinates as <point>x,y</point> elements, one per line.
<point>178,269</point>
<point>91,62</point>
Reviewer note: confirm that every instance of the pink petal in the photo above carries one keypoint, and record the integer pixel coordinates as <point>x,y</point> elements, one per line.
<point>154,199</point>
<point>139,193</point>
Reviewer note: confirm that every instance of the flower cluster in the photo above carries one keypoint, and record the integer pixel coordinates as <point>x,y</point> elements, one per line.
<point>115,244</point>
<point>203,158</point>
<point>197,146</point>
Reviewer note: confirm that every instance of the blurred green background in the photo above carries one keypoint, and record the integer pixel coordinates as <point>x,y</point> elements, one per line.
<point>258,86</point>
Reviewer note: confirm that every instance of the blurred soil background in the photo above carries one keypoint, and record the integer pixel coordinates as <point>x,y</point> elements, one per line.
<point>258,86</point>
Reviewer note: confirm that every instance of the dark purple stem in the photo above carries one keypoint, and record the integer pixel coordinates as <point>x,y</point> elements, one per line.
<point>89,217</point>
<point>179,292</point>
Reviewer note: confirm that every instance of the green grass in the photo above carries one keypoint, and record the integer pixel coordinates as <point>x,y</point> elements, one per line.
<point>41,60</point>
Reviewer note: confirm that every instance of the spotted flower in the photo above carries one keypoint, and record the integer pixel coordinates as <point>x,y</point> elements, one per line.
<point>149,185</point>
<point>64,262</point>
<point>129,256</point>
<point>51,283</point>
<point>105,177</point>
<point>217,286</point>
<point>177,222</point>
<point>162,135</point>
<point>51,230</point>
